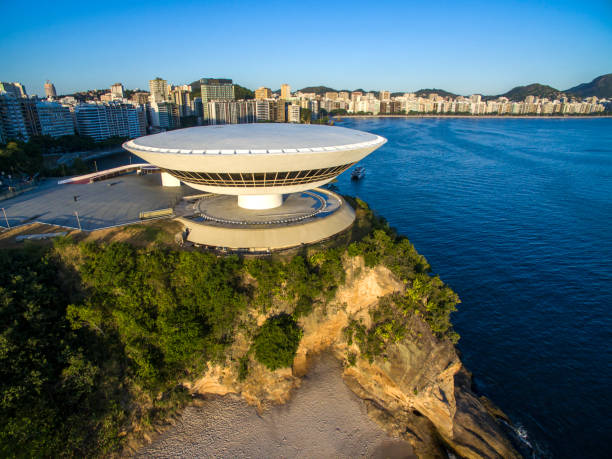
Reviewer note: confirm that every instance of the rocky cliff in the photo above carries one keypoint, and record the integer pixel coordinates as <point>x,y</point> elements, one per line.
<point>417,388</point>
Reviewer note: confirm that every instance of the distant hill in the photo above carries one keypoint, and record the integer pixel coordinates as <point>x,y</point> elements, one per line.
<point>320,90</point>
<point>600,87</point>
<point>440,92</point>
<point>535,89</point>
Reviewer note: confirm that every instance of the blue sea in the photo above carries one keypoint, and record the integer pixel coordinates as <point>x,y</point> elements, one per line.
<point>516,216</point>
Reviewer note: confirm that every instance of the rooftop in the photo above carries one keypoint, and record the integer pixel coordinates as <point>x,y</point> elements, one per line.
<point>258,138</point>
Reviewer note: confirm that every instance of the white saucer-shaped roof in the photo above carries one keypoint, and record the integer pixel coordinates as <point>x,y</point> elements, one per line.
<point>259,138</point>
<point>256,159</point>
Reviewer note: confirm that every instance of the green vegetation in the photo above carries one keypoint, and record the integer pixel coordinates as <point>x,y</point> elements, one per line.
<point>425,295</point>
<point>240,92</point>
<point>277,341</point>
<point>19,157</point>
<point>96,339</point>
<point>305,115</point>
<point>427,92</point>
<point>319,90</point>
<point>84,353</point>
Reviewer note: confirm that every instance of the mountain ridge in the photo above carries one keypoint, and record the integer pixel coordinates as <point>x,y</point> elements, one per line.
<point>600,87</point>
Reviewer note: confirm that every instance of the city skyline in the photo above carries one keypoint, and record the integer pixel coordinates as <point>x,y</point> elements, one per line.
<point>481,48</point>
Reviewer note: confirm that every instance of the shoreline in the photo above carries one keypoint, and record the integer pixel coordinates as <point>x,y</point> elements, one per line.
<point>561,117</point>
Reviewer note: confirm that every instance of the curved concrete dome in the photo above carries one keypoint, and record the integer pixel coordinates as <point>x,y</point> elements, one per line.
<point>257,162</point>
<point>260,138</point>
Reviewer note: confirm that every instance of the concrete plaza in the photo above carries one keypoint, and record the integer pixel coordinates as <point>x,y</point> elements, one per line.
<point>116,201</point>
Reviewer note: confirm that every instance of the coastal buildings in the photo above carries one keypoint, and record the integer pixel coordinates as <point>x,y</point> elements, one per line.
<point>159,90</point>
<point>181,96</point>
<point>232,112</point>
<point>285,91</point>
<point>101,120</point>
<point>15,89</point>
<point>219,89</point>
<point>140,98</point>
<point>12,121</point>
<point>263,93</point>
<point>117,90</point>
<point>293,113</point>
<point>165,106</point>
<point>164,115</point>
<point>50,92</point>
<point>55,119</point>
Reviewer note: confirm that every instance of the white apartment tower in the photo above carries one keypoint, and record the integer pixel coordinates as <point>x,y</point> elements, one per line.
<point>159,90</point>
<point>293,113</point>
<point>55,119</point>
<point>117,90</point>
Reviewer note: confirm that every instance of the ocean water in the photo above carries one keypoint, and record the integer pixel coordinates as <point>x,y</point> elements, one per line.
<point>516,216</point>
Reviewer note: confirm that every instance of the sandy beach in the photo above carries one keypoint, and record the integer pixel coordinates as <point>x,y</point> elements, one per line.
<point>323,419</point>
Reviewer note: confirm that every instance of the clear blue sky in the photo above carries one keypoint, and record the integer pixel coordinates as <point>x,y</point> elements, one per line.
<point>463,47</point>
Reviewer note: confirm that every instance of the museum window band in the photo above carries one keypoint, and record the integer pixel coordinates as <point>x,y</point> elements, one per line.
<point>258,179</point>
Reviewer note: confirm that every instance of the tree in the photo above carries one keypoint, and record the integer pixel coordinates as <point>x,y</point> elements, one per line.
<point>277,341</point>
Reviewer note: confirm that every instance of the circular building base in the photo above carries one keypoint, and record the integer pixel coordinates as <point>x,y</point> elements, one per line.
<point>304,218</point>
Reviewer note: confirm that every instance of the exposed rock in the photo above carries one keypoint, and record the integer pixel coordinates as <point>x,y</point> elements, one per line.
<point>418,389</point>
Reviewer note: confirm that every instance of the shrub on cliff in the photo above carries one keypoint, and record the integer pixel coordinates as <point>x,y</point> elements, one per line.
<point>277,341</point>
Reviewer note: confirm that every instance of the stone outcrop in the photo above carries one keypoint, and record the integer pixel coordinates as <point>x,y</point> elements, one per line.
<point>418,390</point>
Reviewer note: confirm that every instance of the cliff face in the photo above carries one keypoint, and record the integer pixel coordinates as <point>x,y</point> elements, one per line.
<point>418,389</point>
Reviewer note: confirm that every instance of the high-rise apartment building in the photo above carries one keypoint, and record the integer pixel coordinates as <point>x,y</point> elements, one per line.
<point>263,93</point>
<point>262,110</point>
<point>331,95</point>
<point>140,98</point>
<point>197,108</point>
<point>285,91</point>
<point>385,95</point>
<point>159,90</point>
<point>103,120</point>
<point>232,112</point>
<point>215,89</point>
<point>55,119</point>
<point>13,124</point>
<point>182,99</point>
<point>164,115</point>
<point>293,113</point>
<point>50,92</point>
<point>278,110</point>
<point>117,90</point>
<point>14,89</point>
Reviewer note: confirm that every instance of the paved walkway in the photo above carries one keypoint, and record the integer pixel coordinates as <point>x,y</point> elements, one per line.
<point>101,204</point>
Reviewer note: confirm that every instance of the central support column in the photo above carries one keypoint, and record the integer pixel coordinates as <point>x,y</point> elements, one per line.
<point>260,201</point>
